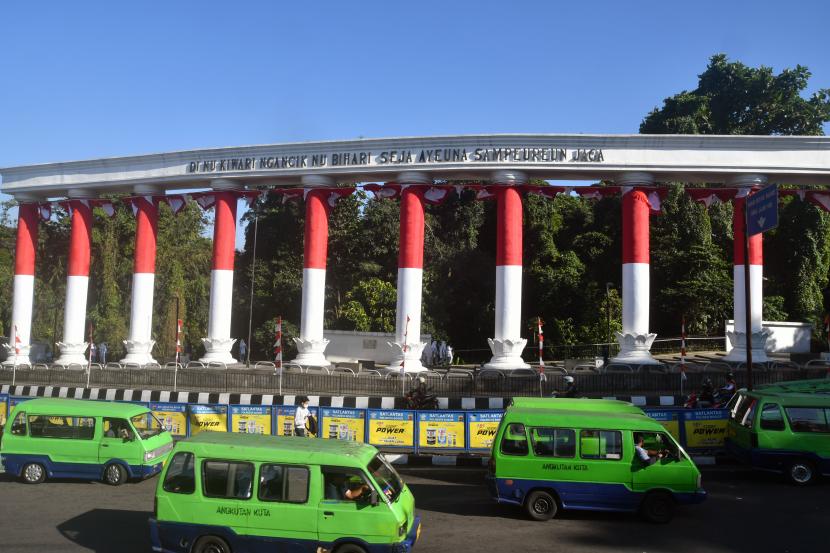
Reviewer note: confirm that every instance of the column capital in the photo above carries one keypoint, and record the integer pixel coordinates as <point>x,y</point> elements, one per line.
<point>748,180</point>
<point>414,177</point>
<point>26,198</point>
<point>222,185</point>
<point>322,181</point>
<point>634,178</point>
<point>508,177</point>
<point>146,189</point>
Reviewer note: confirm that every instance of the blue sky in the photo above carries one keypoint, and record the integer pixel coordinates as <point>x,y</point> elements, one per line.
<point>93,79</point>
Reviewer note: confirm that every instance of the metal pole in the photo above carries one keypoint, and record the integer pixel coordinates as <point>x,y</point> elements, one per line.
<point>747,301</point>
<point>251,302</point>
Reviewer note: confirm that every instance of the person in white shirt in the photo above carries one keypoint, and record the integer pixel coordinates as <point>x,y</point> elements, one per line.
<point>648,456</point>
<point>301,417</point>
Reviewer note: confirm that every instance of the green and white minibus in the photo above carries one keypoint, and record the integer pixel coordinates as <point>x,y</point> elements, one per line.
<point>547,459</point>
<point>225,492</point>
<point>784,429</point>
<point>581,404</point>
<point>71,438</point>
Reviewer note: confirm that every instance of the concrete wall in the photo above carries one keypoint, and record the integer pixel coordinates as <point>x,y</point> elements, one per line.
<point>787,337</point>
<point>347,346</point>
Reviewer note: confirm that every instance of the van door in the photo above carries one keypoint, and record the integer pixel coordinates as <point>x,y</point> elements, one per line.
<point>119,443</point>
<point>604,475</point>
<point>68,441</point>
<point>674,471</point>
<point>227,488</point>
<point>345,509</point>
<point>284,515</point>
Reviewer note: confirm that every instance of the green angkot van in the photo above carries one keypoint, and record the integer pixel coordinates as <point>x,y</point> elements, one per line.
<point>72,438</point>
<point>783,428</point>
<point>603,405</point>
<point>544,460</point>
<point>225,492</point>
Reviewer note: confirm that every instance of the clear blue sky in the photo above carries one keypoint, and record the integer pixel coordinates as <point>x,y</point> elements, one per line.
<point>93,79</point>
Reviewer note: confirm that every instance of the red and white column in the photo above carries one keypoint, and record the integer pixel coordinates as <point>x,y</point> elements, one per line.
<point>737,337</point>
<point>140,342</point>
<point>407,345</point>
<point>311,345</point>
<point>635,340</point>
<point>219,342</point>
<point>73,346</point>
<point>507,343</point>
<point>24,282</point>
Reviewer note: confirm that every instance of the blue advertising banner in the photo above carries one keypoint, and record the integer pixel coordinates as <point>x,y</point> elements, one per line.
<point>208,418</point>
<point>706,428</point>
<point>391,429</point>
<point>284,419</point>
<point>444,430</point>
<point>251,419</point>
<point>481,428</point>
<point>173,417</point>
<point>670,419</point>
<point>4,408</point>
<point>342,424</point>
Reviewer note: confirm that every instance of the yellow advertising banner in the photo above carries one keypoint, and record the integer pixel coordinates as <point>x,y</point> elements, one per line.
<point>392,429</point>
<point>441,430</point>
<point>343,424</point>
<point>251,419</point>
<point>285,420</point>
<point>669,420</point>
<point>172,416</point>
<point>4,412</point>
<point>706,428</point>
<point>208,418</point>
<point>482,429</point>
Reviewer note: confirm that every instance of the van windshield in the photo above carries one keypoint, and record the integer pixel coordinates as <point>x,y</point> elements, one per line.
<point>147,425</point>
<point>386,477</point>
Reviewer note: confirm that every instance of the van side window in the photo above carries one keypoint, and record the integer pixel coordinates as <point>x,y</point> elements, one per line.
<point>61,427</point>
<point>807,419</point>
<point>514,440</point>
<point>181,476</point>
<point>228,479</point>
<point>771,417</point>
<point>19,425</point>
<point>553,442</point>
<point>600,444</point>
<point>344,484</point>
<point>117,428</point>
<point>283,483</point>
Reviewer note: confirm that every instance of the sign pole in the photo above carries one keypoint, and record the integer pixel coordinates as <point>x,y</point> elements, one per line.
<point>178,345</point>
<point>16,352</point>
<point>747,299</point>
<point>91,350</point>
<point>403,362</point>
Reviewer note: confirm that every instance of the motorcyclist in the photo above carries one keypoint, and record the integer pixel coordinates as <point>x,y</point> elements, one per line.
<point>707,392</point>
<point>570,388</point>
<point>420,397</point>
<point>731,386</point>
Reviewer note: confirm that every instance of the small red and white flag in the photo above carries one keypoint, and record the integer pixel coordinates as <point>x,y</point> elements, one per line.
<point>541,343</point>
<point>17,342</point>
<point>683,348</point>
<point>178,336</point>
<point>278,344</point>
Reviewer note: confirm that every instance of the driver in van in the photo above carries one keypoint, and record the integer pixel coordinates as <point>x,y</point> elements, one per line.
<point>648,456</point>
<point>340,487</point>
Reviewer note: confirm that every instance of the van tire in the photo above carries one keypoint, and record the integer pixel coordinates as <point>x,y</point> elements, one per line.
<point>658,507</point>
<point>801,473</point>
<point>33,473</point>
<point>114,474</point>
<point>349,548</point>
<point>541,505</point>
<point>211,544</point>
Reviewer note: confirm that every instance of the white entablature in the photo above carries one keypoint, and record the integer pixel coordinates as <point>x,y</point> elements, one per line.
<point>686,158</point>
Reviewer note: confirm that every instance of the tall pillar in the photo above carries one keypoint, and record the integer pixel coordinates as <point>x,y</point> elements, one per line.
<point>311,344</point>
<point>140,342</point>
<point>737,338</point>
<point>73,346</point>
<point>219,342</point>
<point>410,274</point>
<point>635,340</point>
<point>24,282</point>
<point>507,343</point>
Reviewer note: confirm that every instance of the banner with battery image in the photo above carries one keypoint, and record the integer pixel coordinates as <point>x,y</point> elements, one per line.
<point>482,427</point>
<point>208,418</point>
<point>443,430</point>
<point>342,424</point>
<point>284,419</point>
<point>172,416</point>
<point>392,429</point>
<point>251,419</point>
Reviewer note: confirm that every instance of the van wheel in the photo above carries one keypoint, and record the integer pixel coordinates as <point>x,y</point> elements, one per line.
<point>801,473</point>
<point>349,548</point>
<point>33,473</point>
<point>658,507</point>
<point>211,544</point>
<point>541,505</point>
<point>114,474</point>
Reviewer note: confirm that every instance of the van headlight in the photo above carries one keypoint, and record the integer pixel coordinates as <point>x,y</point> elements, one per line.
<point>699,481</point>
<point>402,529</point>
<point>149,456</point>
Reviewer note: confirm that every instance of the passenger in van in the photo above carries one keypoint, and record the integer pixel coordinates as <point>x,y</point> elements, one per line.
<point>648,456</point>
<point>339,487</point>
<point>117,429</point>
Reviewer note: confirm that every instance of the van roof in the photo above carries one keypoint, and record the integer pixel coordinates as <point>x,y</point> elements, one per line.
<point>582,419</point>
<point>577,404</point>
<point>80,408</point>
<point>792,398</point>
<point>286,449</point>
<point>814,386</point>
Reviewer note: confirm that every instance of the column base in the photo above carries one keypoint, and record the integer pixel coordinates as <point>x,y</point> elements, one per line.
<point>310,353</point>
<point>218,350</point>
<point>507,354</point>
<point>634,349</point>
<point>21,358</point>
<point>72,354</point>
<point>411,359</point>
<point>759,344</point>
<point>139,352</point>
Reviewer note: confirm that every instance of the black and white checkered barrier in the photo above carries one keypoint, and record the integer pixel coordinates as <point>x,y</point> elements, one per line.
<point>348,402</point>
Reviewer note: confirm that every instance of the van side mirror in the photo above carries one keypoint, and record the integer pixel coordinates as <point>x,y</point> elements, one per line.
<point>373,498</point>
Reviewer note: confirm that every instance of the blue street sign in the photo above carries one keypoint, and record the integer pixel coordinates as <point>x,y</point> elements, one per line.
<point>762,210</point>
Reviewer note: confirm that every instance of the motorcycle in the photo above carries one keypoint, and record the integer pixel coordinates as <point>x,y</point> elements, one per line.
<point>713,400</point>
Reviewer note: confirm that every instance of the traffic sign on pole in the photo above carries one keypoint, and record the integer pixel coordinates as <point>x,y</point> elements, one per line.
<point>762,210</point>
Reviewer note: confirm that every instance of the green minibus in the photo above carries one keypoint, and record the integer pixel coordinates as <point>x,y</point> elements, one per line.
<point>224,492</point>
<point>546,460</point>
<point>94,440</point>
<point>580,404</point>
<point>782,431</point>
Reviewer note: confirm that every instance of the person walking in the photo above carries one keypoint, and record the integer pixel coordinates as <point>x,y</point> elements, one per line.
<point>243,350</point>
<point>301,417</point>
<point>102,353</point>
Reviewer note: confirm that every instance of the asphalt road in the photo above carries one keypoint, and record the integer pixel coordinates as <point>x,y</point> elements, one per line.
<point>746,512</point>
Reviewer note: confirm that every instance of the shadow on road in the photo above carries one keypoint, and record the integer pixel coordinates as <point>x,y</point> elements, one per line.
<point>109,530</point>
